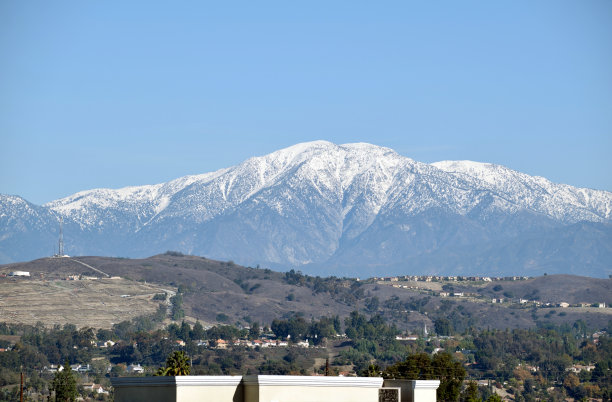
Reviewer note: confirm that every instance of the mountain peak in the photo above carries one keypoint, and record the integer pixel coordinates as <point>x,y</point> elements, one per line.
<point>354,205</point>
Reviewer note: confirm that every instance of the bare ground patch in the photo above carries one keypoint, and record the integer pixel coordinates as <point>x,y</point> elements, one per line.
<point>87,303</point>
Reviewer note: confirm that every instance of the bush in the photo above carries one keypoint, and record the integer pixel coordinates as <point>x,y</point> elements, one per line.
<point>222,317</point>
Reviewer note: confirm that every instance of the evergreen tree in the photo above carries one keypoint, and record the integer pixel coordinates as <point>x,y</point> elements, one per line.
<point>176,364</point>
<point>470,394</point>
<point>64,384</point>
<point>198,331</point>
<point>421,367</point>
<point>254,330</point>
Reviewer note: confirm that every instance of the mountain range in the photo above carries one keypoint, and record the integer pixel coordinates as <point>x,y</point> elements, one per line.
<point>352,209</point>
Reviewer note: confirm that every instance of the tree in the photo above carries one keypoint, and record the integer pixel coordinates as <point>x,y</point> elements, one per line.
<point>470,394</point>
<point>415,367</point>
<point>185,332</point>
<point>64,384</point>
<point>443,327</point>
<point>372,304</point>
<point>373,370</point>
<point>421,367</point>
<point>450,373</point>
<point>176,364</point>
<point>254,331</point>
<point>198,331</point>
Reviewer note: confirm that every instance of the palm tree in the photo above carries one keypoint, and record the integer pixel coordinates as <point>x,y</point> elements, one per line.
<point>176,364</point>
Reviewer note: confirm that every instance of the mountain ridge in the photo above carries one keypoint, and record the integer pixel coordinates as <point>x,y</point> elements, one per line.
<point>315,204</point>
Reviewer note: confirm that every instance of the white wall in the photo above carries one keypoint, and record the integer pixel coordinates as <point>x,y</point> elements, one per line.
<point>266,388</point>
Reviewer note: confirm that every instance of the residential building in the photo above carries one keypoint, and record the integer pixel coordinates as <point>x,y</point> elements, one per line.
<point>135,368</point>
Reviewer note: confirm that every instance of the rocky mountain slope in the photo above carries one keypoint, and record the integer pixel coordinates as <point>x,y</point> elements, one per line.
<point>354,209</point>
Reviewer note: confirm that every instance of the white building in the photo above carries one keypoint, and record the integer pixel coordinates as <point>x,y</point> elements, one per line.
<point>19,273</point>
<point>260,388</point>
<point>135,368</point>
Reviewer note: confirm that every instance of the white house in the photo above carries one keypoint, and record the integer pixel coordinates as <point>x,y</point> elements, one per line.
<point>19,273</point>
<point>106,344</point>
<point>135,368</point>
<point>95,388</point>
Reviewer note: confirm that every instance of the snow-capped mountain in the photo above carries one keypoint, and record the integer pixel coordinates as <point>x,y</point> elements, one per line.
<point>336,209</point>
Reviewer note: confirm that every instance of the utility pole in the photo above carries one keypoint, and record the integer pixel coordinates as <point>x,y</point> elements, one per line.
<point>21,389</point>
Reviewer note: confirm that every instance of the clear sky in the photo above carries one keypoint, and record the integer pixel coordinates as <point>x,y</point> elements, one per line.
<point>116,93</point>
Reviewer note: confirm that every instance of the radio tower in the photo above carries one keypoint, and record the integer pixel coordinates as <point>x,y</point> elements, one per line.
<point>60,246</point>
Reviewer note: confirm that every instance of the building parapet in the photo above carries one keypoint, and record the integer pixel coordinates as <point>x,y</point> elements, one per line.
<point>259,388</point>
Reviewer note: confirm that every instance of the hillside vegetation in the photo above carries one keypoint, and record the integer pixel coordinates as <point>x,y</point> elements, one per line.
<point>223,292</point>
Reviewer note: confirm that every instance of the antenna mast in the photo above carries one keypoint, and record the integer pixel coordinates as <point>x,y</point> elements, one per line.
<point>60,248</point>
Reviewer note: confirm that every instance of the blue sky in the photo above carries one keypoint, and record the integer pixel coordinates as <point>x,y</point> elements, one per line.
<point>110,94</point>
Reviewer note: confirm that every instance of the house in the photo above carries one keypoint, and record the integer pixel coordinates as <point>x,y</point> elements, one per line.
<point>95,388</point>
<point>406,338</point>
<point>19,273</point>
<point>577,368</point>
<point>84,369</point>
<point>135,368</point>
<point>303,344</point>
<point>54,368</point>
<point>106,344</point>
<point>563,305</point>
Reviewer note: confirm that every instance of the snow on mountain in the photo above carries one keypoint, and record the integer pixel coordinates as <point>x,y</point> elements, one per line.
<point>136,205</point>
<point>559,201</point>
<point>318,203</point>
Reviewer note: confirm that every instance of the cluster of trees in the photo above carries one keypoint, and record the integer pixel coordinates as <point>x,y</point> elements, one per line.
<point>441,367</point>
<point>371,340</point>
<point>514,355</point>
<point>343,290</point>
<point>38,346</point>
<point>297,328</point>
<point>530,361</point>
